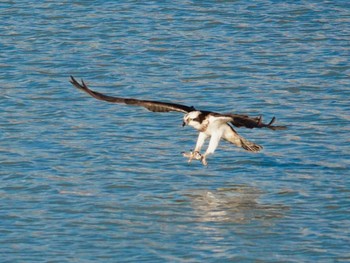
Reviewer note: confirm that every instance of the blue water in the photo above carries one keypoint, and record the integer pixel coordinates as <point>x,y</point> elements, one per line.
<point>87,181</point>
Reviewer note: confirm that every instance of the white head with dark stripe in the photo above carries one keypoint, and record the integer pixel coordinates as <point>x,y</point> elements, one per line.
<point>193,119</point>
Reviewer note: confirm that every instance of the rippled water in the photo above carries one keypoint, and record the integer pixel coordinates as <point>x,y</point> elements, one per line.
<point>87,181</point>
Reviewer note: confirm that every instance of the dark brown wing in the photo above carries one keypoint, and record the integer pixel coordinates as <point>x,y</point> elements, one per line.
<point>239,120</point>
<point>155,106</point>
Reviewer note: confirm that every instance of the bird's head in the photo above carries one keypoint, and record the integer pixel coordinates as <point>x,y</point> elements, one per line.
<point>192,119</point>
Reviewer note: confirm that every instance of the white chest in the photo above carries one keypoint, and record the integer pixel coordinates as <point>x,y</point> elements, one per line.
<point>214,127</point>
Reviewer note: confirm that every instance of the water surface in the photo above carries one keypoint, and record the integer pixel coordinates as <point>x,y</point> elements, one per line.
<point>87,181</point>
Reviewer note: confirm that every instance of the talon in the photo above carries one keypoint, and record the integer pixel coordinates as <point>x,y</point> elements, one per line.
<point>204,160</point>
<point>192,155</point>
<point>197,155</point>
<point>190,159</point>
<point>188,155</point>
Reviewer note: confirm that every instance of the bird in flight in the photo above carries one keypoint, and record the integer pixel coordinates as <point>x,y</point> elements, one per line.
<point>210,124</point>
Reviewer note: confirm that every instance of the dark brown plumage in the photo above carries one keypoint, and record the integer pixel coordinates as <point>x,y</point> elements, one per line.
<point>155,106</point>
<point>237,120</point>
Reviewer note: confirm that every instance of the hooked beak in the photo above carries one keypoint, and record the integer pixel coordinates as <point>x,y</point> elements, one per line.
<point>183,124</point>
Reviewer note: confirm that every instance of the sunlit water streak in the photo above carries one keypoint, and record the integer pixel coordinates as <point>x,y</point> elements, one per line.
<point>86,181</point>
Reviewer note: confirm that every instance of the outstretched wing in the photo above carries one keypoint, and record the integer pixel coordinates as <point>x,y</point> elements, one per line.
<point>239,120</point>
<point>155,106</point>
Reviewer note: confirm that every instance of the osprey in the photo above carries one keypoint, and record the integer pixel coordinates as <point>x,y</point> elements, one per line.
<point>209,124</point>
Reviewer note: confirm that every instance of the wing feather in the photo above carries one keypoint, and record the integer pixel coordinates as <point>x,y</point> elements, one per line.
<point>237,120</point>
<point>240,120</point>
<point>155,106</point>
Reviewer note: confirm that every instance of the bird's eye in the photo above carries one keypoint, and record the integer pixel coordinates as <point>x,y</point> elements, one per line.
<point>196,119</point>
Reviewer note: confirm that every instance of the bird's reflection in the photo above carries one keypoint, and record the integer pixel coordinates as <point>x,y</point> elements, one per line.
<point>238,204</point>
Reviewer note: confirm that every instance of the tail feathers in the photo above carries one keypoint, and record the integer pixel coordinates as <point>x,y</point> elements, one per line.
<point>250,146</point>
<point>233,137</point>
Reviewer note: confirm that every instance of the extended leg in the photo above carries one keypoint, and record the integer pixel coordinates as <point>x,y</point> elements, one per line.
<point>195,154</point>
<point>213,144</point>
<point>200,141</point>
